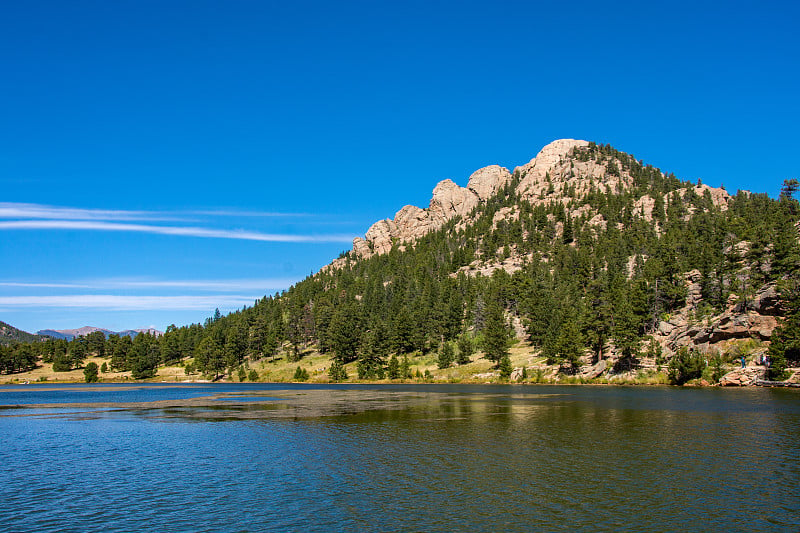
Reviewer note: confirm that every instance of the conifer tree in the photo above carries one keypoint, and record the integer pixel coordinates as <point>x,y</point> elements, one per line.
<point>505,367</point>
<point>337,371</point>
<point>465,349</point>
<point>446,355</point>
<point>393,368</point>
<point>495,333</point>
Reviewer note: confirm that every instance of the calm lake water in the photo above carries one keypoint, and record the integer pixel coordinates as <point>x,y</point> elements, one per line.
<point>262,457</point>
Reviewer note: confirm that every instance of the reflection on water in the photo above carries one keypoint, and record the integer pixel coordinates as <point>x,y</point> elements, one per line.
<point>401,458</point>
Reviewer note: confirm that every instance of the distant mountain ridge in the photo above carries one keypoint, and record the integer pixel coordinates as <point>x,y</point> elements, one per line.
<point>70,334</point>
<point>9,334</point>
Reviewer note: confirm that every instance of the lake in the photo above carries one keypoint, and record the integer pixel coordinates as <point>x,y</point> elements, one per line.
<point>278,457</point>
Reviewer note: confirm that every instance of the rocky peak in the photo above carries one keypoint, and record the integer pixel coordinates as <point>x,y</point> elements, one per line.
<point>448,201</point>
<point>560,172</point>
<point>550,156</point>
<point>486,181</point>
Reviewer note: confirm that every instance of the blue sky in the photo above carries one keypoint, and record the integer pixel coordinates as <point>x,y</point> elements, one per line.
<point>161,159</point>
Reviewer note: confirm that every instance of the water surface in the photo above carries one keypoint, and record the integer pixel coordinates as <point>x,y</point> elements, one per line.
<point>259,457</point>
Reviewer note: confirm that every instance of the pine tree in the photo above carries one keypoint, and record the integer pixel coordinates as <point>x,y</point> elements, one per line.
<point>337,372</point>
<point>465,349</point>
<point>405,368</point>
<point>344,332</point>
<point>90,373</point>
<point>301,374</point>
<point>393,368</point>
<point>505,367</point>
<point>785,346</point>
<point>446,355</point>
<point>495,333</point>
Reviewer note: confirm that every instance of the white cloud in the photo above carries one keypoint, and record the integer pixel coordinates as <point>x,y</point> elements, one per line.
<point>127,303</point>
<point>11,210</point>
<point>235,213</point>
<point>183,231</point>
<point>267,284</point>
<point>36,211</point>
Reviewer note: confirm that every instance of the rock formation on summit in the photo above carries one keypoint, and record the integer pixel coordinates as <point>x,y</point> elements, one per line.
<point>557,173</point>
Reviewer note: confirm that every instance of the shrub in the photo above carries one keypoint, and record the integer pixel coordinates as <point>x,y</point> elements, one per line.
<point>301,374</point>
<point>337,372</point>
<point>685,366</point>
<point>505,367</point>
<point>90,373</point>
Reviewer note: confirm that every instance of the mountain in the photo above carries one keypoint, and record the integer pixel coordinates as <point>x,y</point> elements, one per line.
<point>10,335</point>
<point>579,236</point>
<point>70,334</point>
<point>564,172</point>
<point>597,264</point>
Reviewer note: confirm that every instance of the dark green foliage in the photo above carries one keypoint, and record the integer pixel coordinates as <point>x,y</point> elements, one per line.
<point>344,332</point>
<point>371,354</point>
<point>785,347</point>
<point>446,355</point>
<point>301,374</point>
<point>496,333</point>
<point>103,368</point>
<point>583,292</point>
<point>77,351</point>
<point>17,358</point>
<point>208,357</point>
<point>96,343</point>
<point>144,356</point>
<point>337,372</point>
<point>90,373</point>
<point>120,351</point>
<point>61,363</point>
<point>465,349</point>
<point>11,335</point>
<point>685,366</point>
<point>405,368</point>
<point>505,367</point>
<point>789,188</point>
<point>716,367</point>
<point>567,347</point>
<point>252,375</point>
<point>393,368</point>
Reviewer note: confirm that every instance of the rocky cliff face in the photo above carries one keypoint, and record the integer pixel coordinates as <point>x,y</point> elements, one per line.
<point>563,171</point>
<point>448,201</point>
<point>556,174</point>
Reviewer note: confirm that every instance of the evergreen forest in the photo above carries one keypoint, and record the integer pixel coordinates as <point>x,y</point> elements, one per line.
<point>582,291</point>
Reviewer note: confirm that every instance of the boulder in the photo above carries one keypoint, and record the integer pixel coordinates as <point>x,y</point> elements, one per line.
<point>595,370</point>
<point>361,248</point>
<point>486,181</point>
<point>380,236</point>
<point>766,301</point>
<point>449,200</point>
<point>742,377</point>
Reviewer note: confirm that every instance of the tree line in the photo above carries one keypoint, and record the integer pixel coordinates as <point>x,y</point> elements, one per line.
<point>584,288</point>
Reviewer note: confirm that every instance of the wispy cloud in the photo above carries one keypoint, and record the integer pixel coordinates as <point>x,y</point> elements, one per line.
<point>15,210</point>
<point>183,231</point>
<point>236,213</point>
<point>37,211</point>
<point>209,285</point>
<point>127,303</point>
